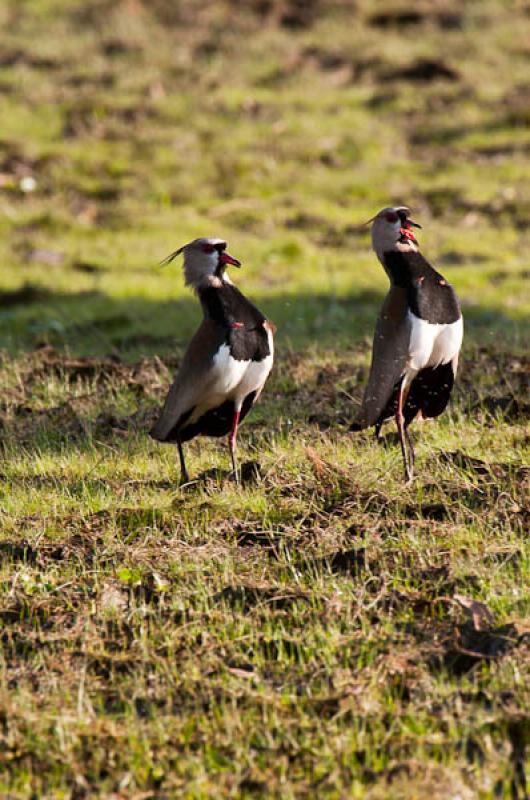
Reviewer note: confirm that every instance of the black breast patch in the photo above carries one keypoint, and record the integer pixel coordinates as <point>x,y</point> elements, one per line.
<point>434,301</point>
<point>429,295</point>
<point>243,323</point>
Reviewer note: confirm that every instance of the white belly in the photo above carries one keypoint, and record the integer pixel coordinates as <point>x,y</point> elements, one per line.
<point>231,379</point>
<point>255,376</point>
<point>432,344</point>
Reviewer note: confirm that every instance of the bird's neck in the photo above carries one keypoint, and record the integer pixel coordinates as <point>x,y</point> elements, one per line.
<point>219,301</point>
<point>404,266</point>
<point>228,307</point>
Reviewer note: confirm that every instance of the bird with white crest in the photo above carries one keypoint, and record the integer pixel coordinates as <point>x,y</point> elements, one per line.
<point>417,338</point>
<point>227,362</point>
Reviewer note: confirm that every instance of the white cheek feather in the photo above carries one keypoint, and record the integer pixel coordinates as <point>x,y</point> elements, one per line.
<point>384,237</point>
<point>200,268</point>
<point>431,344</point>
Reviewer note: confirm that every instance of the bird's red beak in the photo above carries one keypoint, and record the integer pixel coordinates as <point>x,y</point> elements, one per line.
<point>408,234</point>
<point>406,231</point>
<point>226,258</point>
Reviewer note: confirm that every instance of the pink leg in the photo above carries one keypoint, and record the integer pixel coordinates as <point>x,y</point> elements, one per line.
<point>232,440</point>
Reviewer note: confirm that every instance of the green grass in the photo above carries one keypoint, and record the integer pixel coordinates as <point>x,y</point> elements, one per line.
<point>312,634</point>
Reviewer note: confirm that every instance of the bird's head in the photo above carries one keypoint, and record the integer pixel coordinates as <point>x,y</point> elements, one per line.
<point>205,260</point>
<point>392,229</point>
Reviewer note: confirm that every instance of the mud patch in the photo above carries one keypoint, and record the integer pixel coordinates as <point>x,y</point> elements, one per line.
<point>131,521</point>
<point>246,597</point>
<point>467,647</point>
<point>434,511</point>
<point>147,377</point>
<point>424,70</point>
<point>84,548</point>
<point>408,17</point>
<point>290,14</point>
<point>60,423</point>
<point>346,562</point>
<point>14,57</point>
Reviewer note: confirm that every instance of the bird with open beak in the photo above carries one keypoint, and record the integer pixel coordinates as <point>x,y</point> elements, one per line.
<point>417,338</point>
<point>227,362</point>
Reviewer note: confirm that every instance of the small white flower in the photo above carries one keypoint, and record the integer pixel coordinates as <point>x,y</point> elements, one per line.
<point>27,184</point>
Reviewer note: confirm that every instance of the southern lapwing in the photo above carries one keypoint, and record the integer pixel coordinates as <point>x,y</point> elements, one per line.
<point>227,362</point>
<point>417,338</point>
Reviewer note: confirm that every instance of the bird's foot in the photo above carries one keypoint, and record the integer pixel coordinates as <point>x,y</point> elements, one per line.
<point>185,482</point>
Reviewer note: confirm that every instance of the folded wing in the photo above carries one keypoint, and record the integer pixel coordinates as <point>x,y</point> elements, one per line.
<point>194,381</point>
<point>389,357</point>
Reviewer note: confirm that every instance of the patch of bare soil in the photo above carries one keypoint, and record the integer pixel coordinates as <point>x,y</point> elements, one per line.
<point>83,538</point>
<point>424,70</point>
<point>290,14</point>
<point>84,548</point>
<point>147,377</point>
<point>16,163</point>
<point>443,640</point>
<point>62,420</point>
<point>101,80</point>
<point>408,17</point>
<point>108,425</point>
<point>346,562</point>
<point>434,511</point>
<point>329,392</point>
<point>465,647</point>
<point>244,597</point>
<point>511,374</point>
<point>10,57</point>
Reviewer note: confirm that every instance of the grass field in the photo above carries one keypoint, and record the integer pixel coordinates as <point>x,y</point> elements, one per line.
<point>325,631</point>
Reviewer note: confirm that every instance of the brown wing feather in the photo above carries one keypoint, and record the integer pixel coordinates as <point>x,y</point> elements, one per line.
<point>192,379</point>
<point>389,357</point>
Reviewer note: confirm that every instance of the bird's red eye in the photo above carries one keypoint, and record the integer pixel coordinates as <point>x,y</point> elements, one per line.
<point>391,216</point>
<point>208,248</point>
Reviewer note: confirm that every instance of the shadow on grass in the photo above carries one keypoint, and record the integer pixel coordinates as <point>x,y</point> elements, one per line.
<point>95,323</point>
<point>112,344</point>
